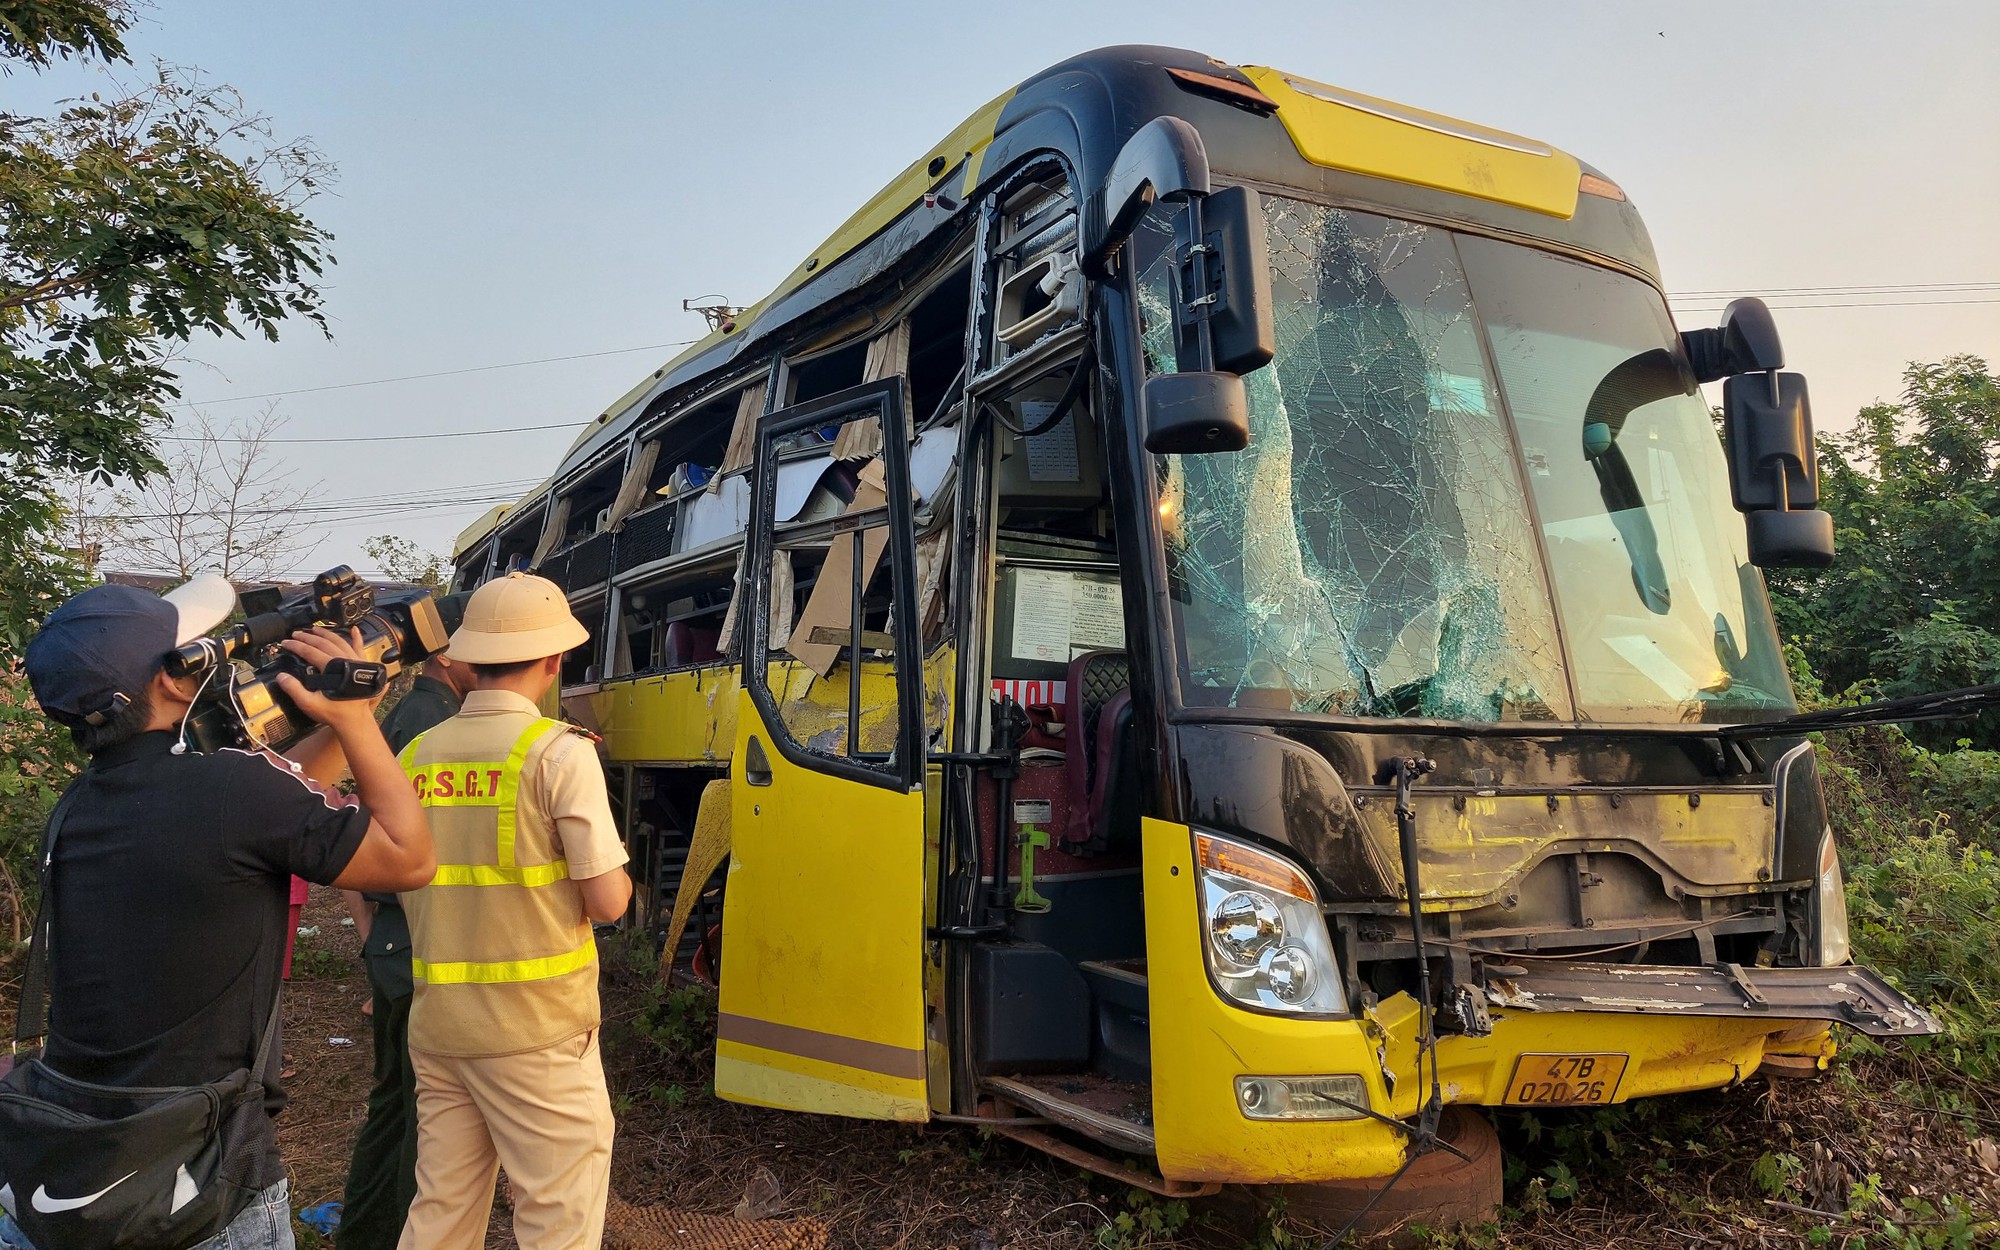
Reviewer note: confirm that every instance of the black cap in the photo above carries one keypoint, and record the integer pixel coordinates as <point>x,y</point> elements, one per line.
<point>97,652</point>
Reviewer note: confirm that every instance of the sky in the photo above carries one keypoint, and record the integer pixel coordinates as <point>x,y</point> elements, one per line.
<point>546,183</point>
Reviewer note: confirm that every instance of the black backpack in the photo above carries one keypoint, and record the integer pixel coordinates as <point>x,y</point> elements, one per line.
<point>102,1167</point>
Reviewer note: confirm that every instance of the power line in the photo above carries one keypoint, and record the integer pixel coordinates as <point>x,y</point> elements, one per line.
<point>1711,306</point>
<point>384,438</point>
<point>1888,288</point>
<point>443,373</point>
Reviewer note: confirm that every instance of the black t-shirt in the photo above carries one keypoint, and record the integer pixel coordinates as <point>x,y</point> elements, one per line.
<point>172,888</point>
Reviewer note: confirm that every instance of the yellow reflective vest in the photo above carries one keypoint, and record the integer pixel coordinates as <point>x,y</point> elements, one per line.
<point>504,959</point>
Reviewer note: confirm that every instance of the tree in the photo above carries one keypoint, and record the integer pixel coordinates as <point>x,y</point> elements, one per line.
<point>127,226</point>
<point>223,504</point>
<point>1912,603</point>
<point>403,561</point>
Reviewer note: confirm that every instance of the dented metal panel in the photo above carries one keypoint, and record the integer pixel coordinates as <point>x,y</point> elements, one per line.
<point>1471,846</point>
<point>1850,995</point>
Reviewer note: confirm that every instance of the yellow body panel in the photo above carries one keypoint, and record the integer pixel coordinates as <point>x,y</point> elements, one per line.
<point>1202,1043</point>
<point>1668,1055</point>
<point>822,929</point>
<point>686,718</point>
<point>690,717</point>
<point>776,1078</point>
<point>1344,129</point>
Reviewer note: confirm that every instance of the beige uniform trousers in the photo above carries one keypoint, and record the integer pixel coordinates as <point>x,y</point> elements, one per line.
<point>544,1115</point>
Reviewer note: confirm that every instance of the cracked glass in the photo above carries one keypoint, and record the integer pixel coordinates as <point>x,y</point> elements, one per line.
<point>1371,552</point>
<point>1405,530</point>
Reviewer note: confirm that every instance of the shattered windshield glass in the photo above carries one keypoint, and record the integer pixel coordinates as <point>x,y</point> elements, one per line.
<point>1370,553</point>
<point>1378,548</point>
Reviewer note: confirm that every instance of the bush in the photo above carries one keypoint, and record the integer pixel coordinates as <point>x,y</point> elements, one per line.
<point>1923,883</point>
<point>1923,913</point>
<point>37,762</point>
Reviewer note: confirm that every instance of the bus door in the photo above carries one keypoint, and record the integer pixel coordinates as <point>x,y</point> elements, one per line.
<point>822,1003</point>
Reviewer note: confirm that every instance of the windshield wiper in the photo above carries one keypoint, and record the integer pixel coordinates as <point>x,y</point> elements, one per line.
<point>1941,705</point>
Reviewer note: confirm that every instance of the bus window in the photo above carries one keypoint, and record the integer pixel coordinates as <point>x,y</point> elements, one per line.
<point>582,664</point>
<point>835,668</point>
<point>827,372</point>
<point>937,347</point>
<point>672,622</point>
<point>517,541</point>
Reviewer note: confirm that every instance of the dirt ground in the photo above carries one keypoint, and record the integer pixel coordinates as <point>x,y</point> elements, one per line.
<point>1847,1162</point>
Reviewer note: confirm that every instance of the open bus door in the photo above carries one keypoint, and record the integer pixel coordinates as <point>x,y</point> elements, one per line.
<point>822,1003</point>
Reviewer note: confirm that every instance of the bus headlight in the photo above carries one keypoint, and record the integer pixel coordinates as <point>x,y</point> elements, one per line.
<point>1829,907</point>
<point>1262,930</point>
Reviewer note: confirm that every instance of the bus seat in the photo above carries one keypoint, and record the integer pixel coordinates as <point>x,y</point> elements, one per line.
<point>1114,804</point>
<point>687,644</point>
<point>1094,744</point>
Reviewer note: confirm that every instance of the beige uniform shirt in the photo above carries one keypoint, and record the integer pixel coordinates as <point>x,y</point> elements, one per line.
<point>503,950</point>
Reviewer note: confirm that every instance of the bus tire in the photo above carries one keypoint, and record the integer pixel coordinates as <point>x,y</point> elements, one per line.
<point>1439,1191</point>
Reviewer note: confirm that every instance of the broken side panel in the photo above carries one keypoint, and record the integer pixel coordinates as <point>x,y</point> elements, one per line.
<point>1370,553</point>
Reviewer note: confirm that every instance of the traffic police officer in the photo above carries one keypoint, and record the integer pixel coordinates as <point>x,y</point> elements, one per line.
<point>503,1025</point>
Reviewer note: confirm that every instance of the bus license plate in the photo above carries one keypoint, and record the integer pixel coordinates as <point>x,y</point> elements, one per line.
<point>1565,1080</point>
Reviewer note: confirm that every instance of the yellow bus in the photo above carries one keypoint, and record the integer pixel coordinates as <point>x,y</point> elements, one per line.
<point>1254,644</point>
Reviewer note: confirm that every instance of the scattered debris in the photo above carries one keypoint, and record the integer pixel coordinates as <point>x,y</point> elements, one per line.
<point>763,1197</point>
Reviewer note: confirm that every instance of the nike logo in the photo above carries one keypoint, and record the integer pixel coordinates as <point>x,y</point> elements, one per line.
<point>42,1201</point>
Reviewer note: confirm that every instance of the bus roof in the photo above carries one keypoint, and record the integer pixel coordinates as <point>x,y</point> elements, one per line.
<point>1260,125</point>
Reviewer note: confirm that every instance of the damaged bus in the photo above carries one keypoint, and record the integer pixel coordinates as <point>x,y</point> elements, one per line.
<point>1209,627</point>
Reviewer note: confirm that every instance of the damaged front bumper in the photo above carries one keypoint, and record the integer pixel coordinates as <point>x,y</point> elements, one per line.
<point>1853,996</point>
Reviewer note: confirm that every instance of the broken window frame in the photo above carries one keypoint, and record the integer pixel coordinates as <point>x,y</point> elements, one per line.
<point>903,767</point>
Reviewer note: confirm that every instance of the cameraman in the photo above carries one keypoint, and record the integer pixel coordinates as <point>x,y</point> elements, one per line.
<point>170,879</point>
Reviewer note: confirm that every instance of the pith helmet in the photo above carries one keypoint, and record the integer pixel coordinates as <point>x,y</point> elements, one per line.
<point>514,618</point>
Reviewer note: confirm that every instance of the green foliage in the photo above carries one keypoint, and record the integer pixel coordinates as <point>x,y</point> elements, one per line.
<point>403,561</point>
<point>314,960</point>
<point>39,31</point>
<point>679,1022</point>
<point>1777,1173</point>
<point>37,762</point>
<point>1911,604</point>
<point>1147,1220</point>
<point>1922,909</point>
<point>127,225</point>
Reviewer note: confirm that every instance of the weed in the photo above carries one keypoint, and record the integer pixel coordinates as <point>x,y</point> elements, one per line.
<point>1147,1220</point>
<point>1776,1174</point>
<point>314,962</point>
<point>680,1022</point>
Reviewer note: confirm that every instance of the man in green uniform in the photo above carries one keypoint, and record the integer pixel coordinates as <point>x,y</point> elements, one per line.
<point>382,1178</point>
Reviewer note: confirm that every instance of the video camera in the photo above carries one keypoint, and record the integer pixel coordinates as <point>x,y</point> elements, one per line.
<point>242,706</point>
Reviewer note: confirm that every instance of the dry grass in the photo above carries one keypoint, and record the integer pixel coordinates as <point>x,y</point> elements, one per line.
<point>1671,1174</point>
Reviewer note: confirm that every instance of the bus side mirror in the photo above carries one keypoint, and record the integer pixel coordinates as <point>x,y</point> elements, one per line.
<point>1773,470</point>
<point>1746,342</point>
<point>1190,414</point>
<point>1242,334</point>
<point>1163,160</point>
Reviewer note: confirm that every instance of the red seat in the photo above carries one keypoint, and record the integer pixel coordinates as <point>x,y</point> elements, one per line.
<point>687,644</point>
<point>1097,745</point>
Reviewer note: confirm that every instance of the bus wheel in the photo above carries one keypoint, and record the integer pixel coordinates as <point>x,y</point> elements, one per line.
<point>1439,1191</point>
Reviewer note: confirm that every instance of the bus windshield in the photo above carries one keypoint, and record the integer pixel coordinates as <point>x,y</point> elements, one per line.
<point>1481,485</point>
